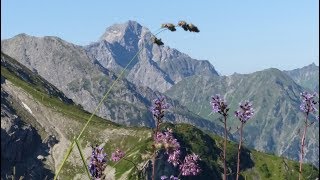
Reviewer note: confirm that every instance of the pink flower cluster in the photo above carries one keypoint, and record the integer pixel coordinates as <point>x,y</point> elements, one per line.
<point>190,166</point>
<point>117,155</point>
<point>246,111</point>
<point>159,106</point>
<point>308,102</point>
<point>219,105</point>
<point>170,144</point>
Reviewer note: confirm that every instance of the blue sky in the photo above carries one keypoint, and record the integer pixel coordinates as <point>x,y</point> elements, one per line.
<point>236,36</point>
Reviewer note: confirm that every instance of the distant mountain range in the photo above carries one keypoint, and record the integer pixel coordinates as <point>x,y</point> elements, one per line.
<point>84,73</point>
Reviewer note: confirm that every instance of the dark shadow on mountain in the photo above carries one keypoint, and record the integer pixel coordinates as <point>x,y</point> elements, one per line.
<point>22,148</point>
<point>22,155</point>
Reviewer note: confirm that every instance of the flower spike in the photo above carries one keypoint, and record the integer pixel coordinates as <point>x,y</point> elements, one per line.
<point>157,41</point>
<point>169,26</point>
<point>184,25</point>
<point>98,162</point>
<point>193,28</point>
<point>246,111</point>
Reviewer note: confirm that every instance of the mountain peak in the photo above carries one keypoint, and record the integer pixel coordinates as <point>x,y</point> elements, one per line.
<point>307,76</point>
<point>21,35</point>
<point>27,37</point>
<point>119,32</point>
<point>312,65</point>
<point>132,23</point>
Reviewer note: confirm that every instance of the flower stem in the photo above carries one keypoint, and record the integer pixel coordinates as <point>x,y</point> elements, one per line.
<point>179,174</point>
<point>225,148</point>
<point>154,151</point>
<point>302,146</point>
<point>239,150</point>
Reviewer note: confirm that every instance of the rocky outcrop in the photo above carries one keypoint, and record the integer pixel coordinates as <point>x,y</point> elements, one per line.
<point>20,144</point>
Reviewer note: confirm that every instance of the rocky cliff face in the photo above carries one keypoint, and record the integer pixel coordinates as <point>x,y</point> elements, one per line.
<point>21,146</point>
<point>156,67</point>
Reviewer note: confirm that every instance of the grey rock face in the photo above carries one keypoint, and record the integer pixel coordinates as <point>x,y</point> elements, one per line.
<point>155,67</point>
<point>56,60</point>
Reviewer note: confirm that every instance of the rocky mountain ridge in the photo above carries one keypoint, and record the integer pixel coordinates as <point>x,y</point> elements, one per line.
<point>276,100</point>
<point>307,76</point>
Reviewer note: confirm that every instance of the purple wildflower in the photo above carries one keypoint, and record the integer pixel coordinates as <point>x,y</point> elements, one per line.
<point>219,105</point>
<point>307,106</point>
<point>159,106</point>
<point>98,162</point>
<point>170,144</point>
<point>190,166</point>
<point>163,177</point>
<point>246,111</point>
<point>117,155</point>
<point>174,156</point>
<point>308,102</point>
